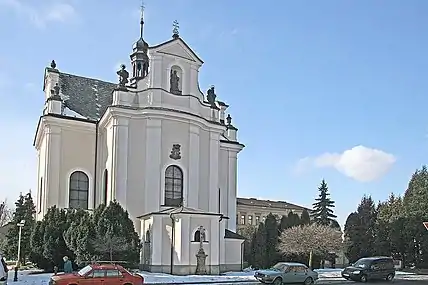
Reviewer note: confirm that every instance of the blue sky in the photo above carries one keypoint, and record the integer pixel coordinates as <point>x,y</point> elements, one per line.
<point>318,89</point>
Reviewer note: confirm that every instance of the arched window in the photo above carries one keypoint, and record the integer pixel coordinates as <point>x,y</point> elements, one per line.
<point>78,190</point>
<point>105,186</point>
<point>173,186</point>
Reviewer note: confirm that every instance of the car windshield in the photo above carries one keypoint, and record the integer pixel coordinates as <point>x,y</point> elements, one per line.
<point>362,263</point>
<point>85,270</point>
<point>279,267</point>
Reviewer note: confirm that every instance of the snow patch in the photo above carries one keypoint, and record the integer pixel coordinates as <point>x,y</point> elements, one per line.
<point>25,278</point>
<point>70,113</point>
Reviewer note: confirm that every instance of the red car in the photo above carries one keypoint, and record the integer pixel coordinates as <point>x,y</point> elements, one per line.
<point>98,274</point>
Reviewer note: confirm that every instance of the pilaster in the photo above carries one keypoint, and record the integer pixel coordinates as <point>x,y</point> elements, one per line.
<point>119,160</point>
<point>213,172</point>
<point>52,170</point>
<point>232,183</point>
<point>194,157</point>
<point>157,249</point>
<point>152,188</point>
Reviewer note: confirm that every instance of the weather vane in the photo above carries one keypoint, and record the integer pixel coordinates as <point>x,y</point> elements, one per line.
<point>175,32</point>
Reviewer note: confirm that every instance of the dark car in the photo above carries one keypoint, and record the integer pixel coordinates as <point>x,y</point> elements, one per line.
<point>370,268</point>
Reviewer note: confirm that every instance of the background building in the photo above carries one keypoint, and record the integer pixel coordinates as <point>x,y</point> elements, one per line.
<point>251,211</point>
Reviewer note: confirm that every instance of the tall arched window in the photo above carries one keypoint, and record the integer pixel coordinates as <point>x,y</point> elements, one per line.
<point>78,190</point>
<point>105,186</point>
<point>173,186</point>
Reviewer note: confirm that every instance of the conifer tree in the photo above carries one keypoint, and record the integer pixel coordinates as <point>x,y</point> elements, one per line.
<point>323,207</point>
<point>24,211</point>
<point>360,230</point>
<point>271,241</point>
<point>305,218</point>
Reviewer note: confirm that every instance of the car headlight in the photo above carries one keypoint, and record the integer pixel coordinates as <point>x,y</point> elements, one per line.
<point>356,272</point>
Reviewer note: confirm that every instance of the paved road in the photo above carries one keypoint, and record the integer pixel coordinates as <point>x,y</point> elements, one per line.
<point>340,282</point>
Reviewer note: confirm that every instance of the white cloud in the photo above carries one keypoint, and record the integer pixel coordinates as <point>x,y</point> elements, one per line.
<point>52,11</point>
<point>360,163</point>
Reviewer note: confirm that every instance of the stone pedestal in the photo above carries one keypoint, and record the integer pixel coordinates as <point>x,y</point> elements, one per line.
<point>200,262</point>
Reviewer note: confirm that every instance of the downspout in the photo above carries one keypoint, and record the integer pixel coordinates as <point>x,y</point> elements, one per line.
<point>95,164</point>
<point>219,232</point>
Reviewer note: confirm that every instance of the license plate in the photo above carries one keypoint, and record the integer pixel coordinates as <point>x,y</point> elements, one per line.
<point>345,274</point>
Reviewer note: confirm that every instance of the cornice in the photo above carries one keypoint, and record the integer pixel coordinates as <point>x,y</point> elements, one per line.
<point>48,121</point>
<point>162,114</point>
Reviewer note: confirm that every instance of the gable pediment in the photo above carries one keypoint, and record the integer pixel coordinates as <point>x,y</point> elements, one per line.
<point>178,48</point>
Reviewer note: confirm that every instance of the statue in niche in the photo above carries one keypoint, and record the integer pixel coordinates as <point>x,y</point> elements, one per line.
<point>174,82</point>
<point>201,236</point>
<point>123,75</point>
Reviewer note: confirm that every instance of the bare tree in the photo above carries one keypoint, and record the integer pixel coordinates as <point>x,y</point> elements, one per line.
<point>110,245</point>
<point>5,214</point>
<point>310,239</point>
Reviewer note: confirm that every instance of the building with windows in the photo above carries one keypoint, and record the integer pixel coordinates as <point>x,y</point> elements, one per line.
<point>250,211</point>
<point>153,142</point>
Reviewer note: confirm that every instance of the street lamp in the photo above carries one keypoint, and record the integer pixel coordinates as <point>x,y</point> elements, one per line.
<point>20,225</point>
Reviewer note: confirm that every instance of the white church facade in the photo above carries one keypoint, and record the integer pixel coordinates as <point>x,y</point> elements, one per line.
<point>154,143</point>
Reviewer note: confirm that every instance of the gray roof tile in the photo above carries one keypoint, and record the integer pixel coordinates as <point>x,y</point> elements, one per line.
<point>87,96</point>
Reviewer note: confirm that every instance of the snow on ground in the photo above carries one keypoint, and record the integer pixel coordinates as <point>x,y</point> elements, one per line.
<point>24,278</point>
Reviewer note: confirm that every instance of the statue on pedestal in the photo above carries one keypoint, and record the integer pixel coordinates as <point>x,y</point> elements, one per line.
<point>201,256</point>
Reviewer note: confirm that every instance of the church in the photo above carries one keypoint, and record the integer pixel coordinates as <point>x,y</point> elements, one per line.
<point>155,143</point>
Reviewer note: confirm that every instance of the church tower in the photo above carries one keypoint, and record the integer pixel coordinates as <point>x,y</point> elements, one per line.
<point>139,57</point>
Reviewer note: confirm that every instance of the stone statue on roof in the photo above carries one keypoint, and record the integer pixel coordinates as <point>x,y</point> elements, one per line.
<point>123,75</point>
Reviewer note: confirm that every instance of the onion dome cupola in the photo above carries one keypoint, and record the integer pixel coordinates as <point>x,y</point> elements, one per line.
<point>139,56</point>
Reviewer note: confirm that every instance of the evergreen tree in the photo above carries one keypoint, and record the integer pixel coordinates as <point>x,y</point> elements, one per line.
<point>24,211</point>
<point>107,234</point>
<point>293,219</point>
<point>284,224</point>
<point>271,241</point>
<point>247,232</point>
<point>323,207</point>
<point>414,213</point>
<point>257,245</point>
<point>305,218</point>
<point>360,230</point>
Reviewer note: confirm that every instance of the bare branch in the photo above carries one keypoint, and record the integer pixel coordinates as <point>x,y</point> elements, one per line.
<point>307,238</point>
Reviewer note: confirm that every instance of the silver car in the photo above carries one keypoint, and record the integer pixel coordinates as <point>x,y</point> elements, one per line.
<point>287,272</point>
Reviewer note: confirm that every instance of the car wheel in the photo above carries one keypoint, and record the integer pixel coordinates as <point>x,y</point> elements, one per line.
<point>277,281</point>
<point>390,277</point>
<point>309,281</point>
<point>363,278</point>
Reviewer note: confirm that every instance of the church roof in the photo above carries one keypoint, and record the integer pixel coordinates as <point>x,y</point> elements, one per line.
<point>86,96</point>
<point>183,42</point>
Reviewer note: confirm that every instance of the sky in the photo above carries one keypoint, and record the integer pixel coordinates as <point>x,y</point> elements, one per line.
<point>333,90</point>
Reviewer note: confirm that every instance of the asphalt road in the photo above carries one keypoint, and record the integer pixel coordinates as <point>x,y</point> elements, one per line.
<point>339,282</point>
